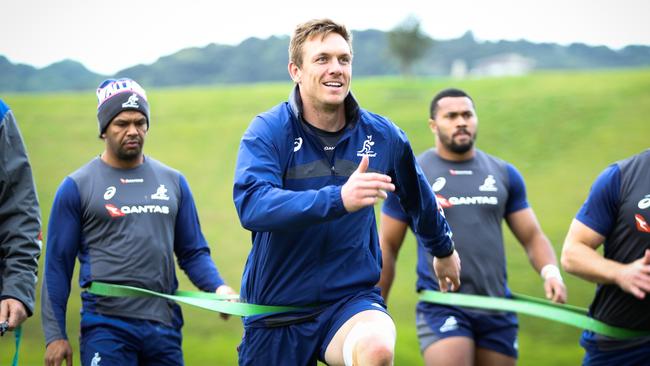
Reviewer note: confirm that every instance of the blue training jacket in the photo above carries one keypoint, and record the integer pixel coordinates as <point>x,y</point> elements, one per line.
<point>307,249</point>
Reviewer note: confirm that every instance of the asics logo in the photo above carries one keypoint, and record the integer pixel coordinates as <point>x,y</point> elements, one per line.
<point>645,202</point>
<point>439,184</point>
<point>297,144</point>
<point>110,192</point>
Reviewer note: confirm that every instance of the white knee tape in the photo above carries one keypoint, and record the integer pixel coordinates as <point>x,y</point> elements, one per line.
<point>365,329</point>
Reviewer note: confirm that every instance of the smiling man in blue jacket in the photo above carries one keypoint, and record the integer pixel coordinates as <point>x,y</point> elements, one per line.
<point>308,174</point>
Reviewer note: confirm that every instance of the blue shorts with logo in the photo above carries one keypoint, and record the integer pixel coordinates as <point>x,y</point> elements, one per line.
<point>108,340</point>
<point>493,331</point>
<point>605,351</point>
<point>302,341</point>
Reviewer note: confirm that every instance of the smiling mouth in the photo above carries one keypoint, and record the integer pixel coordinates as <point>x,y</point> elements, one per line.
<point>333,84</point>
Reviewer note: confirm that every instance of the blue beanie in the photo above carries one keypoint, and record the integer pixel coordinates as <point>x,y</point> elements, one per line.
<point>117,95</point>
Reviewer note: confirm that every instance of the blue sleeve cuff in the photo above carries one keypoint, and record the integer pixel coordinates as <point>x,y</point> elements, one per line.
<point>338,208</point>
<point>599,209</point>
<point>517,199</point>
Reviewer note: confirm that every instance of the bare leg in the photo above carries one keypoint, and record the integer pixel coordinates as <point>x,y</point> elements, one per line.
<point>375,340</point>
<point>452,351</point>
<point>486,357</point>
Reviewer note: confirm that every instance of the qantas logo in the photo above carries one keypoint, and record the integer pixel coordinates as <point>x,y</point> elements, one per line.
<point>442,201</point>
<point>641,224</point>
<point>114,211</point>
<point>128,210</point>
<point>457,201</point>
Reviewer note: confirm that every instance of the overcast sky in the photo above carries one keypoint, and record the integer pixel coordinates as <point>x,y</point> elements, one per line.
<point>107,36</point>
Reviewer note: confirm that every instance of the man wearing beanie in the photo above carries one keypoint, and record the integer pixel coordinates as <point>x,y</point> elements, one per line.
<point>124,215</point>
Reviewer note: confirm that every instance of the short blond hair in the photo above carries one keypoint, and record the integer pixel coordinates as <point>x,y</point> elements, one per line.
<point>313,28</point>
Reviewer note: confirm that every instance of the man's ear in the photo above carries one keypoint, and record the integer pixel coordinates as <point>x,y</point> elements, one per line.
<point>294,72</point>
<point>432,125</point>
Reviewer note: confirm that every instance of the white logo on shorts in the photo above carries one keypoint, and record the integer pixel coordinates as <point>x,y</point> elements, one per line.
<point>95,360</point>
<point>450,324</point>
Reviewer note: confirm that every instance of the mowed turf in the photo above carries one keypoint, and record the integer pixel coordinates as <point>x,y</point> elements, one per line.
<point>559,129</point>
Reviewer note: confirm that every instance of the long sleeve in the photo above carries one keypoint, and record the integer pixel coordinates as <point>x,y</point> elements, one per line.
<point>190,246</point>
<point>63,244</point>
<point>262,203</point>
<point>20,222</point>
<point>419,201</point>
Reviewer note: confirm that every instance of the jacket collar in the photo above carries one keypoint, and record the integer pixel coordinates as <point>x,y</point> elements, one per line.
<point>351,106</point>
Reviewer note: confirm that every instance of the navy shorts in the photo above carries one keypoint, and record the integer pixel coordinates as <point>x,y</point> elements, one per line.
<point>305,342</point>
<point>605,351</point>
<point>108,340</point>
<point>493,331</point>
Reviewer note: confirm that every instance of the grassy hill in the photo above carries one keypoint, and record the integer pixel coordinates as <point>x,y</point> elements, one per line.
<point>559,129</point>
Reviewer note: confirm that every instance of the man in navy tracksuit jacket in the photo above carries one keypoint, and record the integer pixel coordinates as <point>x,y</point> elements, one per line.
<point>308,174</point>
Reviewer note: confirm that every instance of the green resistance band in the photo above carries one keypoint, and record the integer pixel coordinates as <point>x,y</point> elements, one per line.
<point>566,314</point>
<point>204,300</point>
<point>18,334</point>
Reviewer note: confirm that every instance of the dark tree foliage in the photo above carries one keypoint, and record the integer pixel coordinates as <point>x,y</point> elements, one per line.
<point>407,43</point>
<point>262,60</point>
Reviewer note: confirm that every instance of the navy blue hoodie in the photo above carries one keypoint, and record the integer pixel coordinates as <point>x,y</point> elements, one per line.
<point>307,249</point>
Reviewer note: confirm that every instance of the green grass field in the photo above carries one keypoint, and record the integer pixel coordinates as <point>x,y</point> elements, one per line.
<point>559,129</point>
